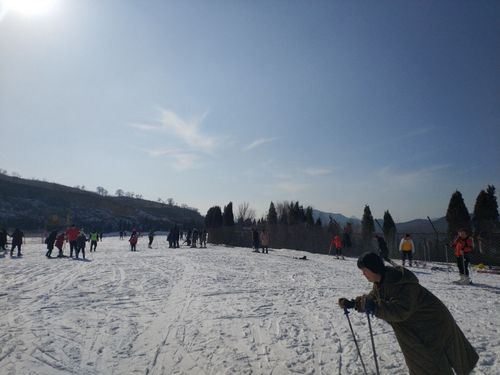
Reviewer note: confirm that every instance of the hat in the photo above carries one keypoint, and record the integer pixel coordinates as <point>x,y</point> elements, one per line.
<point>373,262</point>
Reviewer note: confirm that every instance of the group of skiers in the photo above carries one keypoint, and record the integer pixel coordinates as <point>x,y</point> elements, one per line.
<point>193,236</point>
<point>76,238</point>
<point>17,237</point>
<point>260,240</point>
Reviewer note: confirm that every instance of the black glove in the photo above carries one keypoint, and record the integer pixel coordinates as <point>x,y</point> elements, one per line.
<point>346,303</point>
<point>365,304</point>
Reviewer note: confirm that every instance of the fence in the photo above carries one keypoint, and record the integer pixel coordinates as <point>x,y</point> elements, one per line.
<point>428,246</point>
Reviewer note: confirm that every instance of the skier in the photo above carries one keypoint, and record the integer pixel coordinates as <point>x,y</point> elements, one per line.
<point>176,236</point>
<point>188,238</point>
<point>194,239</point>
<point>50,240</point>
<point>429,337</point>
<point>17,241</point>
<point>94,237</point>
<point>463,247</point>
<point>133,241</point>
<point>337,243</point>
<point>255,240</point>
<point>264,241</point>
<point>59,244</point>
<point>71,235</point>
<point>121,235</point>
<point>81,242</point>
<point>407,248</point>
<point>3,239</point>
<point>151,237</point>
<point>203,238</point>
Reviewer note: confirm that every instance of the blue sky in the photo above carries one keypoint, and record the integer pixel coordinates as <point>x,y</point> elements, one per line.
<point>336,104</point>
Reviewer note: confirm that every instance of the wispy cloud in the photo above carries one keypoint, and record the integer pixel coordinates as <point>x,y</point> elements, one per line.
<point>410,177</point>
<point>185,143</point>
<point>312,171</point>
<point>180,159</point>
<point>290,186</point>
<point>258,142</point>
<point>185,130</point>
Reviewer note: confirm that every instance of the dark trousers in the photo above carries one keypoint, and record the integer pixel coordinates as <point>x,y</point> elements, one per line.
<point>93,245</point>
<point>338,251</point>
<point>14,247</point>
<point>132,247</point>
<point>72,246</point>
<point>77,252</point>
<point>49,250</point>
<point>405,255</point>
<point>463,264</point>
<point>265,249</point>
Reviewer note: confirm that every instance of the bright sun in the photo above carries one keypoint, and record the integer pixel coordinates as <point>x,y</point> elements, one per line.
<point>28,7</point>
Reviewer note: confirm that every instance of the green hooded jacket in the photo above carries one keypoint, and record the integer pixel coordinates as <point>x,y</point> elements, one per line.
<point>430,339</point>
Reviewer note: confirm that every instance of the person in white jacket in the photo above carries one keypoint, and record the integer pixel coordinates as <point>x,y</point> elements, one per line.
<point>407,248</point>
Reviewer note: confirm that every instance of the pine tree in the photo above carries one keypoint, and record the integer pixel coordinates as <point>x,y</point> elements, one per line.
<point>309,216</point>
<point>367,228</point>
<point>228,217</point>
<point>318,222</point>
<point>457,214</point>
<point>272,216</point>
<point>485,217</point>
<point>389,229</point>
<point>213,218</point>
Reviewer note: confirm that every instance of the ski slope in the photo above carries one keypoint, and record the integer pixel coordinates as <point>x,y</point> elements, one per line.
<point>209,311</point>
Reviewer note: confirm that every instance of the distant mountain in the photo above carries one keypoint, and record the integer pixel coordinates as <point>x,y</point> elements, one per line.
<point>339,218</point>
<point>422,226</point>
<point>36,205</point>
<point>412,226</point>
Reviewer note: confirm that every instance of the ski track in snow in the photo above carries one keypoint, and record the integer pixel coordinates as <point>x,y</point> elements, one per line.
<point>219,310</point>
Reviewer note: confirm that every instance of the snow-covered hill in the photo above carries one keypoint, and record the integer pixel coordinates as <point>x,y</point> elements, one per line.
<point>208,311</point>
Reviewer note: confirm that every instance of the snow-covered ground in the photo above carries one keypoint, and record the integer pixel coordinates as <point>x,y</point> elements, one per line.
<point>209,311</point>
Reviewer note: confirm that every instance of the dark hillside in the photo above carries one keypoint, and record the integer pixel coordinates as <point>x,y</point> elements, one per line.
<point>36,205</point>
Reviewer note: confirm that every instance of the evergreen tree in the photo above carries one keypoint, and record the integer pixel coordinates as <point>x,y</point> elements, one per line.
<point>367,228</point>
<point>228,217</point>
<point>318,222</point>
<point>457,214</point>
<point>485,217</point>
<point>213,219</point>
<point>309,216</point>
<point>272,216</point>
<point>389,229</point>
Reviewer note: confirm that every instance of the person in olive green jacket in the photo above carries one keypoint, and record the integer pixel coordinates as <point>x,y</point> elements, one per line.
<point>430,339</point>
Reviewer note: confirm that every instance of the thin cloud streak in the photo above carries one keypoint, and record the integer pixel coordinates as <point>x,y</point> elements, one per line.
<point>410,178</point>
<point>258,142</point>
<point>188,131</point>
<point>180,160</point>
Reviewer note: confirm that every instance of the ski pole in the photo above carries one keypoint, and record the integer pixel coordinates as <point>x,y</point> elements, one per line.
<point>373,343</point>
<point>346,312</point>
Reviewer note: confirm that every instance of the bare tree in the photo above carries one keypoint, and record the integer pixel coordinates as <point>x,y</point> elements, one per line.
<point>245,213</point>
<point>170,201</point>
<point>101,191</point>
<point>119,193</point>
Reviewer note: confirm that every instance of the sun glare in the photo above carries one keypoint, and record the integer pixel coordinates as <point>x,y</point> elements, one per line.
<point>28,7</point>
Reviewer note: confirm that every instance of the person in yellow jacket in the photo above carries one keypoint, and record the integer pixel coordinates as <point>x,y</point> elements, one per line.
<point>407,248</point>
<point>94,237</point>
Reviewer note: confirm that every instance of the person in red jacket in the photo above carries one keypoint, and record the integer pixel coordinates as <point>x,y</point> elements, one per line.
<point>463,247</point>
<point>337,242</point>
<point>133,241</point>
<point>71,235</point>
<point>59,244</point>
